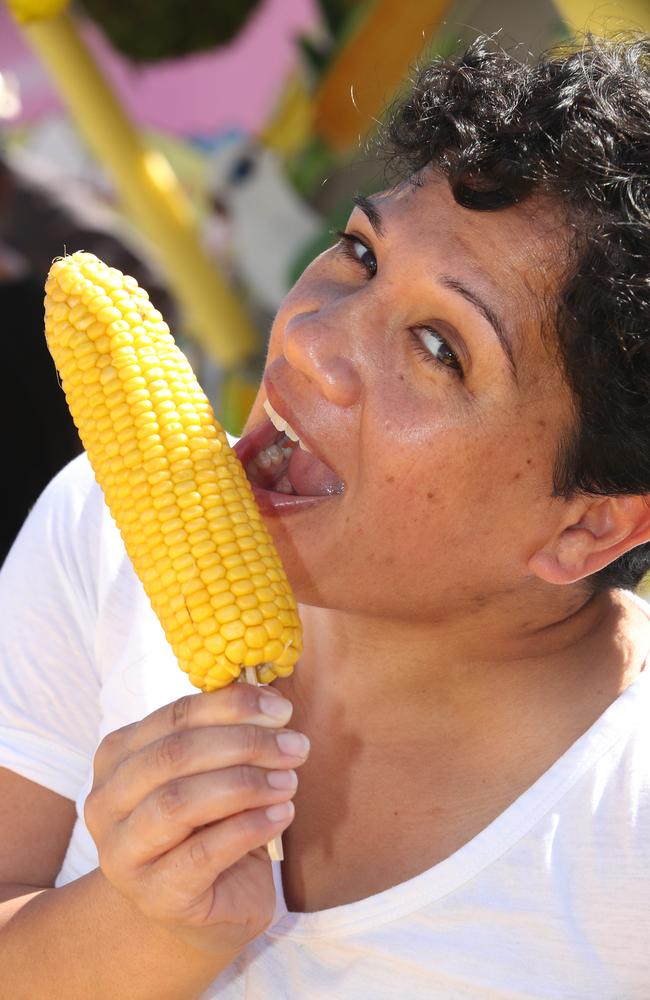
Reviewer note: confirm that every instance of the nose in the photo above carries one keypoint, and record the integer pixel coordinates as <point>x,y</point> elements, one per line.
<point>319,353</point>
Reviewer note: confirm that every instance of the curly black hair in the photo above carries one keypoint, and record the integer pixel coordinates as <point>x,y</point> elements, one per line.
<point>574,124</point>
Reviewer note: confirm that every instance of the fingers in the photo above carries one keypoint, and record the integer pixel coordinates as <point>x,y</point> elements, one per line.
<point>184,880</point>
<point>190,791</point>
<point>236,704</point>
<point>194,736</point>
<point>187,752</point>
<point>174,812</point>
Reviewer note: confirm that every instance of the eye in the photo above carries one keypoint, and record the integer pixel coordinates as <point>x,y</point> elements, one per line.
<point>428,343</point>
<point>358,251</point>
<point>433,347</point>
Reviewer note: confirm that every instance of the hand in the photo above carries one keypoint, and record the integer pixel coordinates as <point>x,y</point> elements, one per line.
<point>183,803</point>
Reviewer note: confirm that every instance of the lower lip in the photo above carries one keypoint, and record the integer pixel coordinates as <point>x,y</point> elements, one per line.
<point>282,503</point>
<point>268,501</point>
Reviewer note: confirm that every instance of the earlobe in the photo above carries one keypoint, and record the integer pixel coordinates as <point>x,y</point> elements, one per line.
<point>607,527</point>
<point>563,560</point>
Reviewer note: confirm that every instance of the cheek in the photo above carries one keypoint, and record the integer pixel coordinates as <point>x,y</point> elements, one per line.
<point>409,502</point>
<point>467,486</point>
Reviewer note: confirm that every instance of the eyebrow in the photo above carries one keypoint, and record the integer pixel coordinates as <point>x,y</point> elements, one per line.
<point>373,214</point>
<point>487,312</point>
<point>370,210</point>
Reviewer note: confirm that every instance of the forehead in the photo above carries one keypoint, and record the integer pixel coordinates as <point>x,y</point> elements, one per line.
<point>530,234</point>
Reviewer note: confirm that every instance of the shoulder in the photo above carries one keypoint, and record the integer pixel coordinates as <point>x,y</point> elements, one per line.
<point>75,512</point>
<point>70,497</point>
<point>69,545</point>
<point>633,762</point>
<point>613,817</point>
<point>73,489</point>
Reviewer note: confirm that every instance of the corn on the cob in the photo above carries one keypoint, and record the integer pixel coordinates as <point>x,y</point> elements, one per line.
<point>174,486</point>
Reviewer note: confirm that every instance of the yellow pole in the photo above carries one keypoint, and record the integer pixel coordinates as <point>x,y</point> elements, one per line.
<point>291,123</point>
<point>148,188</point>
<point>603,17</point>
<point>371,66</point>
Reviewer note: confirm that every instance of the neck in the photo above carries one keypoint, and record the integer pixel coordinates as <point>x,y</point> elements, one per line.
<point>422,735</point>
<point>480,669</point>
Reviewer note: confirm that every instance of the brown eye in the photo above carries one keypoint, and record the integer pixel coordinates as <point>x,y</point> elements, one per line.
<point>357,250</point>
<point>365,256</point>
<point>433,347</point>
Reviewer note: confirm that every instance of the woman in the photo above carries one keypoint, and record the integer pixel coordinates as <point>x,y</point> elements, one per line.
<point>468,366</point>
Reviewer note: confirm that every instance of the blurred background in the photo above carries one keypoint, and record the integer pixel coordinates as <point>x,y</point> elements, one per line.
<point>209,150</point>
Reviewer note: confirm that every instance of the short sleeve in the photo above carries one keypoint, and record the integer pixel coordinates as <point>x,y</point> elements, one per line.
<point>49,683</point>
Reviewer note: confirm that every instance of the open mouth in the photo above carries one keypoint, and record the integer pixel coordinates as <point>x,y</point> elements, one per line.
<point>281,469</point>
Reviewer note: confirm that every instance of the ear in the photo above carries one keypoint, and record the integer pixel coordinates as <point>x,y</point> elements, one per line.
<point>604,529</point>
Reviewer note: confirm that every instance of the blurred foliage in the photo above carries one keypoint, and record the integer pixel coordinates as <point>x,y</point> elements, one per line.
<point>339,17</point>
<point>147,32</point>
<point>335,13</point>
<point>326,238</point>
<point>307,169</point>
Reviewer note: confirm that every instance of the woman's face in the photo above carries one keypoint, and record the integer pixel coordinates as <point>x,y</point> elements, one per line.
<point>409,359</point>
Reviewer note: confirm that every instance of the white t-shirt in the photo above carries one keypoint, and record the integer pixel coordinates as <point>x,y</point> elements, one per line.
<point>551,900</point>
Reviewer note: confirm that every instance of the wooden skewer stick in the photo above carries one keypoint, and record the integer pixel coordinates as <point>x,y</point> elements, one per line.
<point>274,847</point>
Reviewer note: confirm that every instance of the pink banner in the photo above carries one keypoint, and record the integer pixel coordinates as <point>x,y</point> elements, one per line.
<point>231,87</point>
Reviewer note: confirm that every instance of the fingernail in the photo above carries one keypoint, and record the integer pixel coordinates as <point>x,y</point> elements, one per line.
<point>294,744</point>
<point>280,811</point>
<point>275,707</point>
<point>282,779</point>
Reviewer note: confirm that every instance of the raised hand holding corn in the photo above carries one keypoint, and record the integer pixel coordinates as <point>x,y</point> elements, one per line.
<point>174,486</point>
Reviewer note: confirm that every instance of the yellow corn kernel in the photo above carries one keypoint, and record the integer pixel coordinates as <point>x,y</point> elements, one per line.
<point>174,486</point>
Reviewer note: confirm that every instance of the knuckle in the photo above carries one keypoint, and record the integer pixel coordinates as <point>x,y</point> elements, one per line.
<point>112,864</point>
<point>171,750</point>
<point>108,871</point>
<point>110,746</point>
<point>248,778</point>
<point>179,712</point>
<point>243,700</point>
<point>92,812</point>
<point>252,742</point>
<point>103,805</point>
<point>170,799</point>
<point>248,825</point>
<point>198,853</point>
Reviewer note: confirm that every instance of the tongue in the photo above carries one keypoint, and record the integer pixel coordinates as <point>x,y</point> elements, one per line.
<point>311,477</point>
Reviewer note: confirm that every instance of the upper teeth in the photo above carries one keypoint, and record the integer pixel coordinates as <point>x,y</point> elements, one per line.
<point>281,424</point>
